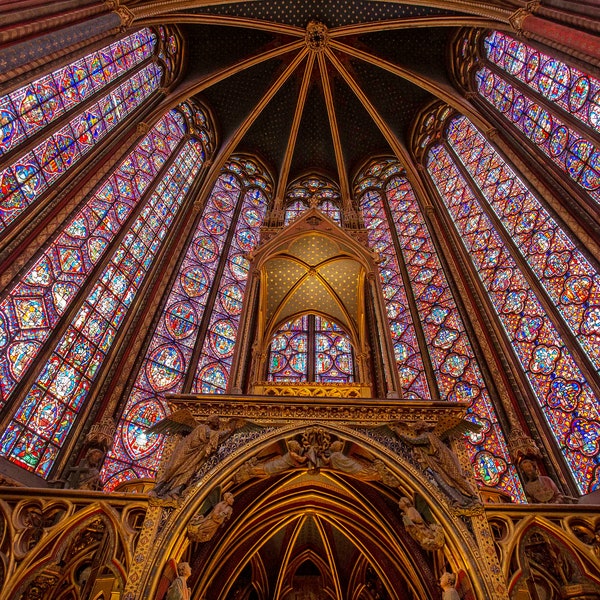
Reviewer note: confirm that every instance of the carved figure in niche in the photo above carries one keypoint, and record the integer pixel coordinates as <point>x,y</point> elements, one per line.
<point>435,456</point>
<point>202,528</point>
<point>86,476</point>
<point>291,459</point>
<point>430,536</point>
<point>539,488</point>
<point>315,442</point>
<point>179,590</point>
<point>447,583</point>
<point>199,441</point>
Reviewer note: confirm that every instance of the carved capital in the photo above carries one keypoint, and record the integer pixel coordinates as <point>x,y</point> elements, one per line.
<point>517,19</point>
<point>102,434</point>
<point>126,16</point>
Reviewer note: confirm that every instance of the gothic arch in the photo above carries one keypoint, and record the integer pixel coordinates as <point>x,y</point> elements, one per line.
<point>365,511</point>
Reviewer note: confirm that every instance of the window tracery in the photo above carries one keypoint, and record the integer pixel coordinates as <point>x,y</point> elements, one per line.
<point>457,373</point>
<point>42,422</point>
<point>238,196</point>
<point>554,105</point>
<point>473,182</point>
<point>110,84</point>
<point>310,348</point>
<point>313,192</point>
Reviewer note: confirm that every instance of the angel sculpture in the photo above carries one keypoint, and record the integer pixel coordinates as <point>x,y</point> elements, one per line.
<point>199,441</point>
<point>435,456</point>
<point>203,526</point>
<point>430,536</point>
<point>293,458</point>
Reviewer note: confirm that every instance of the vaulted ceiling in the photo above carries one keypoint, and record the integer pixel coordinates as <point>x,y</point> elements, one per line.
<point>318,84</point>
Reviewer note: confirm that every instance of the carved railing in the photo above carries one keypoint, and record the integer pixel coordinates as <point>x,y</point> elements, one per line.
<point>552,550</point>
<point>58,544</point>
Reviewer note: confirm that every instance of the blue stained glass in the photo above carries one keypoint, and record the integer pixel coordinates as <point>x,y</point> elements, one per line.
<point>136,454</point>
<point>36,302</point>
<point>63,385</point>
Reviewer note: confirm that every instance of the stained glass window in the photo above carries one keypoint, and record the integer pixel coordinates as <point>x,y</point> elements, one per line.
<point>312,191</point>
<point>294,210</point>
<point>334,362</point>
<point>311,349</point>
<point>38,300</point>
<point>214,365</point>
<point>404,337</point>
<point>29,109</point>
<point>168,355</point>
<point>41,102</point>
<point>572,91</point>
<point>458,376</point>
<point>576,92</point>
<point>42,422</point>
<point>562,391</point>
<point>567,276</point>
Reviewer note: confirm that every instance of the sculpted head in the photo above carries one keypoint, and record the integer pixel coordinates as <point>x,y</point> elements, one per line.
<point>448,580</point>
<point>294,446</point>
<point>404,502</point>
<point>228,497</point>
<point>213,422</point>
<point>183,569</point>
<point>529,469</point>
<point>336,446</point>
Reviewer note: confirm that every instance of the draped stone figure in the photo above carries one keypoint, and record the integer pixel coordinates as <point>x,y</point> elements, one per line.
<point>430,536</point>
<point>179,590</point>
<point>435,456</point>
<point>199,441</point>
<point>202,528</point>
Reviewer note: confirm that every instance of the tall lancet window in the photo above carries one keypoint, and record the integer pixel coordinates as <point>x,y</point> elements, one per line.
<point>542,286</point>
<point>101,257</point>
<point>192,344</point>
<point>312,192</point>
<point>432,330</point>
<point>51,123</point>
<point>556,106</point>
<point>311,349</point>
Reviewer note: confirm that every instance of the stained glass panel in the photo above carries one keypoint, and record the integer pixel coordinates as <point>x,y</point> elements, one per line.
<point>457,372</point>
<point>40,426</point>
<point>577,156</point>
<point>167,358</point>
<point>33,173</point>
<point>215,360</point>
<point>406,347</point>
<point>562,391</point>
<point>294,210</point>
<point>334,362</point>
<point>35,304</point>
<point>41,102</point>
<point>570,280</point>
<point>576,92</point>
<point>288,353</point>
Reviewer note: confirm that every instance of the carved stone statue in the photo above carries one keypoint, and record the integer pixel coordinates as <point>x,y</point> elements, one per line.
<point>291,459</point>
<point>539,488</point>
<point>86,476</point>
<point>200,441</point>
<point>429,536</point>
<point>202,528</point>
<point>434,455</point>
<point>179,590</point>
<point>346,464</point>
<point>447,583</point>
